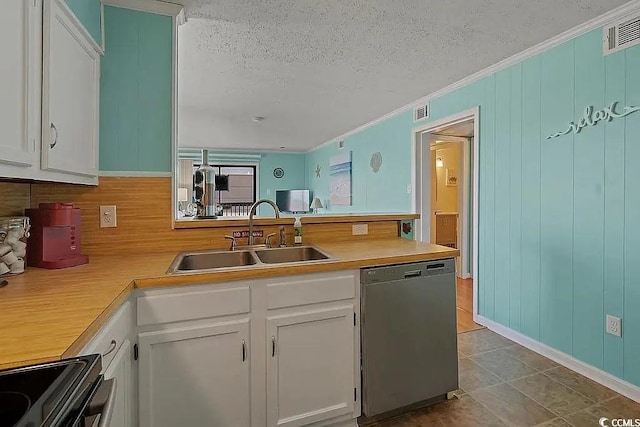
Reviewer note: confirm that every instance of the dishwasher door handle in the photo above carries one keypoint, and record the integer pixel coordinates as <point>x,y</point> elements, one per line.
<point>413,273</point>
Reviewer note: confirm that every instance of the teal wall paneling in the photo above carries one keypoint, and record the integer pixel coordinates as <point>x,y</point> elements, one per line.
<point>135,92</point>
<point>515,204</point>
<point>588,211</point>
<point>531,193</point>
<point>614,195</point>
<point>556,204</point>
<point>89,13</point>
<point>559,220</point>
<point>502,211</point>
<point>631,321</point>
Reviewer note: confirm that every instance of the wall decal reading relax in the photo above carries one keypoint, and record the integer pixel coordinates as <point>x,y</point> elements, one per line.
<point>591,118</point>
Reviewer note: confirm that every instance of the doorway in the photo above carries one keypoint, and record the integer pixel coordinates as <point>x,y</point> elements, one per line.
<point>446,197</point>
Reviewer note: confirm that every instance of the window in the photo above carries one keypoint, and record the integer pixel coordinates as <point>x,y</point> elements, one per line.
<point>237,188</point>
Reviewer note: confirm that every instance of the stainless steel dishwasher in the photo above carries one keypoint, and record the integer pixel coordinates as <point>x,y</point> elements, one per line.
<point>409,337</point>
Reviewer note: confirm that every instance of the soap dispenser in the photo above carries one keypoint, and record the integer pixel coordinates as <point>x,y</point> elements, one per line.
<point>297,231</point>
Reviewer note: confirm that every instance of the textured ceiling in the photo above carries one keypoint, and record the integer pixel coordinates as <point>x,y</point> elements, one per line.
<point>318,68</point>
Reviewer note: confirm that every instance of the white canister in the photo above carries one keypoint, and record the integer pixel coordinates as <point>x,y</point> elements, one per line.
<point>9,258</point>
<point>14,232</point>
<point>20,249</point>
<point>17,267</point>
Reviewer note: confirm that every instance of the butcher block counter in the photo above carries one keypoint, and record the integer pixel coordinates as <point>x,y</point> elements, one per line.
<point>47,315</point>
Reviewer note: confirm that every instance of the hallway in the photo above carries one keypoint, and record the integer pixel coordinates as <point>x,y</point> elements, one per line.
<point>464,306</point>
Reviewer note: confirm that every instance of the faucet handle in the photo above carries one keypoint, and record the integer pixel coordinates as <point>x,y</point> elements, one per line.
<point>234,244</point>
<point>268,239</point>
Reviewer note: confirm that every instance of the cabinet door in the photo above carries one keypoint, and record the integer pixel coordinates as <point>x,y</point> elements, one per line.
<point>310,366</point>
<point>195,376</point>
<point>120,368</point>
<point>19,81</point>
<point>71,76</point>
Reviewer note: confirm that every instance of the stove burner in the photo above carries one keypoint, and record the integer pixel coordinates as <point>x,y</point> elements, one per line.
<point>13,406</point>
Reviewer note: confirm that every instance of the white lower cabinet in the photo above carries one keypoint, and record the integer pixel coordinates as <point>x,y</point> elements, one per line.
<point>113,342</point>
<point>195,376</point>
<point>121,369</point>
<point>272,352</point>
<point>310,369</point>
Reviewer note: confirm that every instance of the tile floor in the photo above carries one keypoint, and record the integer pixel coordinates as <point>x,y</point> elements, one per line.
<point>505,384</point>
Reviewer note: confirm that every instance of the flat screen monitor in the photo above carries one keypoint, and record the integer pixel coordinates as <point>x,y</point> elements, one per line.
<point>293,200</point>
<point>222,182</point>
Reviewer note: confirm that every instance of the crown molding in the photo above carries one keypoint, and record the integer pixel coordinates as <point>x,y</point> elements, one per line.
<point>595,23</point>
<point>150,6</point>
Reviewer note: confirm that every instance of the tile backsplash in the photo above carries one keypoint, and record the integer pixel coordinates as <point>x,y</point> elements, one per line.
<point>15,197</point>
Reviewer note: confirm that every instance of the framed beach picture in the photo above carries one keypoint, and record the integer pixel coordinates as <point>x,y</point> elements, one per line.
<point>340,179</point>
<point>451,178</point>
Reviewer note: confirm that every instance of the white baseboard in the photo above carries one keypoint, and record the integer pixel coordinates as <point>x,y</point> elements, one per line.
<point>606,379</point>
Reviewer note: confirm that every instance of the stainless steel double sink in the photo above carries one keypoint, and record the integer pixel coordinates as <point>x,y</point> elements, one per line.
<point>206,261</point>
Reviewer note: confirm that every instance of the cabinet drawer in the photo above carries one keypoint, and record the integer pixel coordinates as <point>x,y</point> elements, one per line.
<point>312,290</point>
<point>192,305</point>
<point>109,339</point>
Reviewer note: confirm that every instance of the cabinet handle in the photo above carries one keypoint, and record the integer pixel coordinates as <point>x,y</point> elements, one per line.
<point>55,139</point>
<point>273,346</point>
<point>112,347</point>
<point>244,350</point>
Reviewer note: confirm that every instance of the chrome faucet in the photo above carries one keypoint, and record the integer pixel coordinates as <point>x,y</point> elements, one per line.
<point>252,212</point>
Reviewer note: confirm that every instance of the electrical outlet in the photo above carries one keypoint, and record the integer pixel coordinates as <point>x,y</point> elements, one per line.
<point>614,325</point>
<point>360,229</point>
<point>108,217</point>
<point>409,189</point>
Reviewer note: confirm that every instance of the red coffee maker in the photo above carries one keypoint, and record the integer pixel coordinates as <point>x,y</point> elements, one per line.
<point>55,240</point>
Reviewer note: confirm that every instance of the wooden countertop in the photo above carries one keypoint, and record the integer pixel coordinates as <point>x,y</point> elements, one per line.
<point>46,315</point>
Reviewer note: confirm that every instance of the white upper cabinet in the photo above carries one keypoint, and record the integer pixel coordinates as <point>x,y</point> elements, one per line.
<point>19,86</point>
<point>70,94</point>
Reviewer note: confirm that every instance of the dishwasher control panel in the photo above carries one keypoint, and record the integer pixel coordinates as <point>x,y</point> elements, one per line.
<point>407,271</point>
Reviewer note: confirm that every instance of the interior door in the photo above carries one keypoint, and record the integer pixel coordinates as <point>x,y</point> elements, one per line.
<point>196,376</point>
<point>310,371</point>
<point>71,77</point>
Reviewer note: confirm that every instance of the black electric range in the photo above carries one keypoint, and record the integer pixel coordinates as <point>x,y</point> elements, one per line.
<point>68,393</point>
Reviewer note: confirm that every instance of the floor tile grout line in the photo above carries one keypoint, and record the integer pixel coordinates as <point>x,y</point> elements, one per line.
<point>507,422</point>
<point>535,400</point>
<point>571,388</point>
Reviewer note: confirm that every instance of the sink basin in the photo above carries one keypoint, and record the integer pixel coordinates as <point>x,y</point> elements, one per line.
<point>294,254</point>
<point>196,261</point>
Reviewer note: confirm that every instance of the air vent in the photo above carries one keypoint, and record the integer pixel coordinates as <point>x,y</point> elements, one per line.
<point>340,145</point>
<point>622,35</point>
<point>421,112</point>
